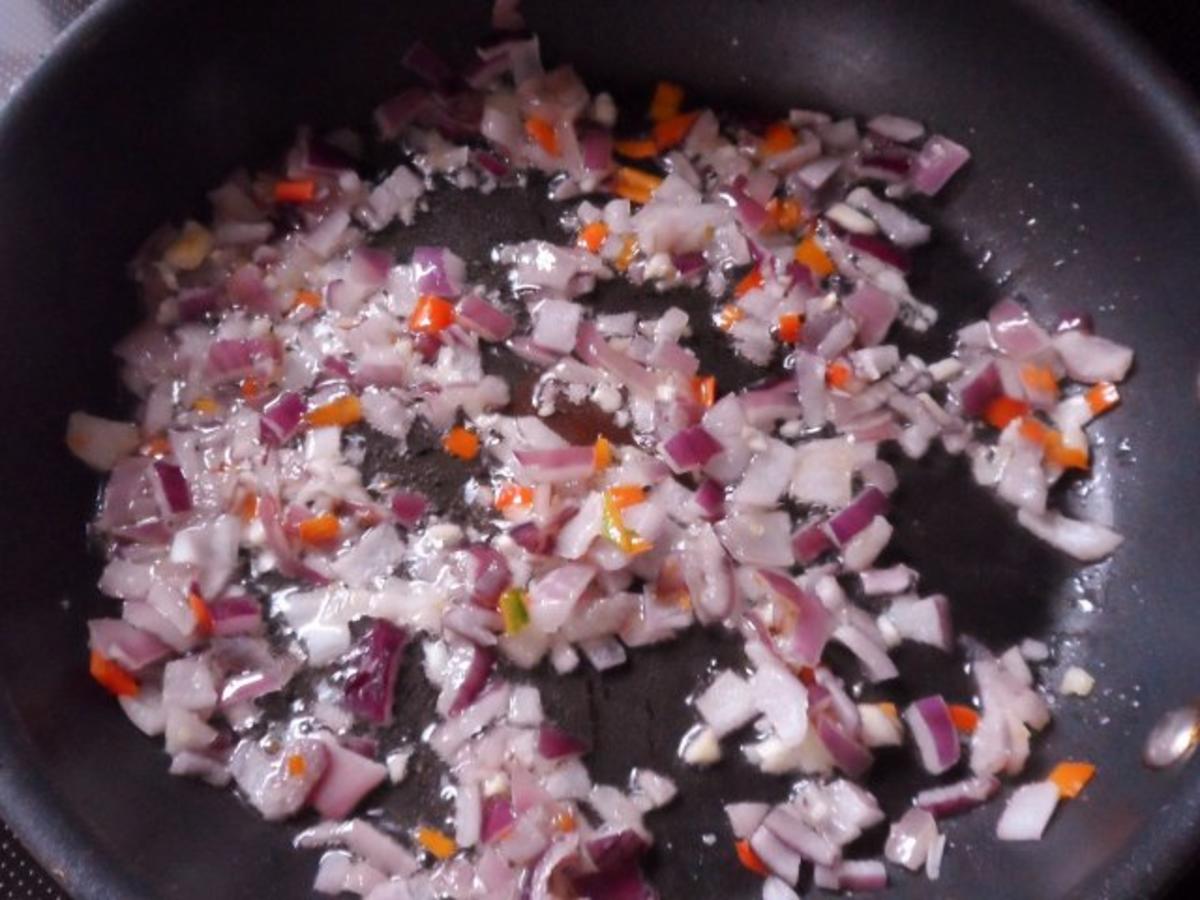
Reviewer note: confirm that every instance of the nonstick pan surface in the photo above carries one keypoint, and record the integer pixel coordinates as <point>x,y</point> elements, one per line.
<point>1083,194</point>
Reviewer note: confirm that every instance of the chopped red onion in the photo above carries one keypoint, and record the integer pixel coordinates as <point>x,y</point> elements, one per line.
<point>895,580</point>
<point>236,615</point>
<point>498,818</point>
<point>173,487</point>
<point>554,743</point>
<point>489,573</point>
<point>1086,541</point>
<point>491,323</point>
<point>710,498</point>
<point>744,818</point>
<point>594,350</point>
<point>124,644</point>
<point>873,656</point>
<point>281,419</point>
<point>848,754</point>
<point>101,443</point>
<point>556,323</point>
<point>934,733</point>
<point>874,311</point>
<point>267,781</point>
<point>859,875</point>
<point>1089,358</point>
<point>781,858</point>
<point>858,515</point>
<point>347,779</point>
<point>910,839</point>
<point>371,682</point>
<point>1028,812</point>
<point>727,704</point>
<point>556,465</point>
<point>438,271</point>
<point>926,620</point>
<point>603,653</point>
<point>409,507</point>
<point>813,624</point>
<point>483,660</point>
<point>947,800</point>
<point>810,542</point>
<point>795,833</point>
<point>884,251</point>
<point>597,150</point>
<point>691,448</point>
<point>980,389</point>
<point>936,164</point>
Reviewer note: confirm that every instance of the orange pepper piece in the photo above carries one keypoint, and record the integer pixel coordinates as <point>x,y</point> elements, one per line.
<point>670,132</point>
<point>319,530</point>
<point>667,100</point>
<point>541,131</point>
<point>778,138</point>
<point>751,280</point>
<point>1034,431</point>
<point>461,442</point>
<point>629,249</point>
<point>1003,409</point>
<point>431,315</point>
<point>1072,777</point>
<point>593,236</point>
<point>705,389</point>
<point>838,374</point>
<point>791,328</point>
<point>636,148</point>
<point>113,677</point>
<point>206,406</point>
<point>1102,396</point>
<point>748,858</point>
<point>965,719</point>
<point>602,455</point>
<point>343,411</point>
<point>635,185</point>
<point>626,495</point>
<point>1059,453</point>
<point>1039,378</point>
<point>295,191</point>
<point>311,299</point>
<point>730,315</point>
<point>247,509</point>
<point>439,844</point>
<point>811,254</point>
<point>786,214</point>
<point>201,612</point>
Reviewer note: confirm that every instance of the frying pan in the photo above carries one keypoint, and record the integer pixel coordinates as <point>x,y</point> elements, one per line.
<point>1083,194</point>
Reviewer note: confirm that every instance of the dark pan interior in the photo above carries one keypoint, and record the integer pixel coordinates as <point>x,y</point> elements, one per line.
<point>1084,193</point>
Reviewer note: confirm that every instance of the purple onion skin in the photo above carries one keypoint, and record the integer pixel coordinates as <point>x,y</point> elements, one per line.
<point>475,680</point>
<point>498,817</point>
<point>408,507</point>
<point>616,851</point>
<point>174,487</point>
<point>371,687</point>
<point>859,514</point>
<point>553,743</point>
